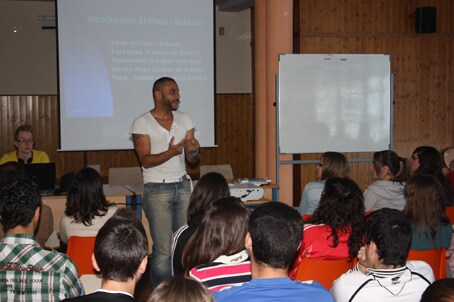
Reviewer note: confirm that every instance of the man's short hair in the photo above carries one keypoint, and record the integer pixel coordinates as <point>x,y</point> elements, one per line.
<point>120,246</point>
<point>159,82</point>
<point>276,232</point>
<point>391,233</point>
<point>19,200</point>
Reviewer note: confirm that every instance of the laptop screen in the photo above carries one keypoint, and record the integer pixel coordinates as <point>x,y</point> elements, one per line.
<point>42,174</point>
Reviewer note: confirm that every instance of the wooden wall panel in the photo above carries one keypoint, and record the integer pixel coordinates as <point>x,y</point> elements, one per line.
<point>235,135</point>
<point>422,65</point>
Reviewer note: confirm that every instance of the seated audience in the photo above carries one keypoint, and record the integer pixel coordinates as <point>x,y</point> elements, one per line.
<point>439,291</point>
<point>275,231</point>
<point>209,188</point>
<point>332,164</point>
<point>390,172</point>
<point>180,289</point>
<point>425,200</point>
<point>427,160</point>
<point>24,153</point>
<point>86,207</point>
<point>449,161</point>
<point>45,228</point>
<point>335,230</point>
<point>121,255</point>
<point>382,273</point>
<point>29,272</point>
<point>215,254</point>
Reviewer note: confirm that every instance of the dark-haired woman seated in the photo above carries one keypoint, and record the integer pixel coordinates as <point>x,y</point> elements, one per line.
<point>425,208</point>
<point>335,229</point>
<point>86,207</point>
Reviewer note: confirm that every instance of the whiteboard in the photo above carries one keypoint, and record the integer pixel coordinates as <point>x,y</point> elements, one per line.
<point>334,102</point>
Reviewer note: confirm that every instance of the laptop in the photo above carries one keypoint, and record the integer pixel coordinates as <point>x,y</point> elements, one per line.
<point>42,174</point>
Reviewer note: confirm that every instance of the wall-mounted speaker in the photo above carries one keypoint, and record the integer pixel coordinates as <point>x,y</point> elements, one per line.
<point>426,19</point>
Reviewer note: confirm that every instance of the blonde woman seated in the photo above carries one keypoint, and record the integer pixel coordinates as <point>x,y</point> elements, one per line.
<point>425,209</point>
<point>335,229</point>
<point>390,172</point>
<point>215,255</point>
<point>332,164</point>
<point>86,207</point>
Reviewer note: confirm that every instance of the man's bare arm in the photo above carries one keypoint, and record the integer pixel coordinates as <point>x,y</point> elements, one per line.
<point>191,147</point>
<point>143,150</point>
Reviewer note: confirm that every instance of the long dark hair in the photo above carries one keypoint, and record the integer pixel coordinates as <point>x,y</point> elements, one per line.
<point>209,188</point>
<point>221,232</point>
<point>430,162</point>
<point>85,198</point>
<point>425,200</point>
<point>341,207</point>
<point>398,166</point>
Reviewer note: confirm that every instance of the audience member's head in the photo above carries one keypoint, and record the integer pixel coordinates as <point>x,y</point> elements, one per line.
<point>9,171</point>
<point>180,289</point>
<point>332,164</point>
<point>342,208</point>
<point>388,238</point>
<point>275,232</point>
<point>20,204</point>
<point>221,232</point>
<point>210,187</point>
<point>121,247</point>
<point>387,165</point>
<point>425,202</point>
<point>439,291</point>
<point>427,160</point>
<point>85,198</point>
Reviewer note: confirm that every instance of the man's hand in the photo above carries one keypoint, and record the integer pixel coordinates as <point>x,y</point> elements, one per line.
<point>362,260</point>
<point>176,149</point>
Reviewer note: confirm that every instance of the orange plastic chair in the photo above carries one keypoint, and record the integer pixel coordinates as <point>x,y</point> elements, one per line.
<point>80,250</point>
<point>322,271</point>
<point>436,258</point>
<point>449,211</point>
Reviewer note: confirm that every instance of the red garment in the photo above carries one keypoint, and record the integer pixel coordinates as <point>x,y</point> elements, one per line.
<point>316,244</point>
<point>450,178</point>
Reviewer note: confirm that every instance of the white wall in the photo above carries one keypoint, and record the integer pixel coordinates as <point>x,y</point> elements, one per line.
<point>28,58</point>
<point>233,52</point>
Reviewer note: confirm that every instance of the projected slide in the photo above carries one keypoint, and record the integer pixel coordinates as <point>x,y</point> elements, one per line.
<point>111,52</point>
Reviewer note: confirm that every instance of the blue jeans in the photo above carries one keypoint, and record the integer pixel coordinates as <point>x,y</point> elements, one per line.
<point>165,205</point>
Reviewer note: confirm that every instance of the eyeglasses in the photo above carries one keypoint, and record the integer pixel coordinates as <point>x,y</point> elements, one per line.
<point>414,157</point>
<point>23,140</point>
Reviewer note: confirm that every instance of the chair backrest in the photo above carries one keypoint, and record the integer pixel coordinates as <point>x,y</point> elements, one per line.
<point>125,175</point>
<point>449,211</point>
<point>224,170</point>
<point>436,258</point>
<point>80,250</point>
<point>322,271</point>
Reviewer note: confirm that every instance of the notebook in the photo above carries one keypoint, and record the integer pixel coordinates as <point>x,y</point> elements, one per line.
<point>42,174</point>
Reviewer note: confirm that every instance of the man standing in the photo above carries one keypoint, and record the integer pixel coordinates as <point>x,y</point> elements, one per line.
<point>24,153</point>
<point>28,272</point>
<point>382,273</point>
<point>164,140</point>
<point>275,232</point>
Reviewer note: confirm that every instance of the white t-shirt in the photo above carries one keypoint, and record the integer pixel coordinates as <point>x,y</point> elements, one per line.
<point>159,140</point>
<point>69,228</point>
<point>402,284</point>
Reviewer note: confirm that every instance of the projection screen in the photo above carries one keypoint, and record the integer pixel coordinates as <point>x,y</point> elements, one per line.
<point>111,51</point>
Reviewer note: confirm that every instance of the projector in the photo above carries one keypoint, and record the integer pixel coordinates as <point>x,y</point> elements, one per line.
<point>246,191</point>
